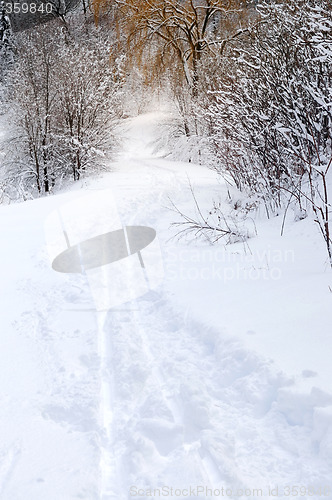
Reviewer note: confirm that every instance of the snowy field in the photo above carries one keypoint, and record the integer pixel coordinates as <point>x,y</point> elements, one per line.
<point>215,383</point>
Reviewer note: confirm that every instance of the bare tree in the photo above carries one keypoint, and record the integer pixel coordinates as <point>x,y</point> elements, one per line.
<point>273,101</point>
<point>87,100</point>
<point>35,95</point>
<point>184,31</point>
<point>64,107</point>
<point>272,112</point>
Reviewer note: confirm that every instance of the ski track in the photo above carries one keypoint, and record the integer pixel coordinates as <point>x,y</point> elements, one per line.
<point>190,405</point>
<point>186,400</point>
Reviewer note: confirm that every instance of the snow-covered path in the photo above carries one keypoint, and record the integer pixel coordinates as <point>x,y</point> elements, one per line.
<point>191,404</point>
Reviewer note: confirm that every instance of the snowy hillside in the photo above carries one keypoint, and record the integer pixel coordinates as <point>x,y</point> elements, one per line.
<point>213,375</point>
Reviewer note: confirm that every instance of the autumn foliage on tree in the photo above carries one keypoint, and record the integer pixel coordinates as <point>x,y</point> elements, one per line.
<point>176,34</point>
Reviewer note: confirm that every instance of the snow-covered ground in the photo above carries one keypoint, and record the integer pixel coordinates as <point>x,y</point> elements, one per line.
<point>217,379</point>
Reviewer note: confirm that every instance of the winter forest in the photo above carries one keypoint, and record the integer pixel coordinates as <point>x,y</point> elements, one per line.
<point>210,121</point>
<point>249,84</point>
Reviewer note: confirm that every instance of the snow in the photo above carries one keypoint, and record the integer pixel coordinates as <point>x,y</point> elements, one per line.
<point>217,377</point>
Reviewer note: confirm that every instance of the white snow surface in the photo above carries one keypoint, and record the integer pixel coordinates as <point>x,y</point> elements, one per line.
<point>219,378</point>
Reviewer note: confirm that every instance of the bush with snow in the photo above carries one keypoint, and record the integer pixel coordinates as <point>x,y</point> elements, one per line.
<point>64,108</point>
